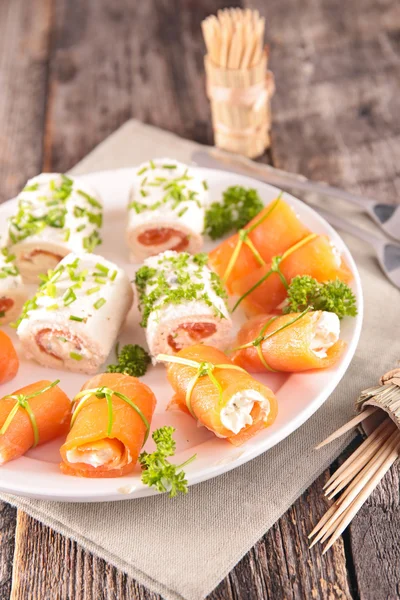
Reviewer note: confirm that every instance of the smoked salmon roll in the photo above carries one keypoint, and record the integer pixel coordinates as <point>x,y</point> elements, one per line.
<point>110,424</point>
<point>222,397</point>
<point>292,343</point>
<point>74,319</point>
<point>263,290</point>
<point>9,362</point>
<point>13,293</point>
<point>32,415</point>
<point>56,215</point>
<point>166,209</point>
<point>182,302</point>
<point>271,232</point>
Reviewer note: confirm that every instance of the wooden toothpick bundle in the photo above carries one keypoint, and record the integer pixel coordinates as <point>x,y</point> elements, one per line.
<point>238,84</point>
<point>359,475</point>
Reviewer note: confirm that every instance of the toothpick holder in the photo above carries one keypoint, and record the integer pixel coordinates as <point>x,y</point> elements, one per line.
<point>241,106</point>
<point>385,397</point>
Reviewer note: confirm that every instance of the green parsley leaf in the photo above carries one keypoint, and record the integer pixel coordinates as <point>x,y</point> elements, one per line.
<point>158,472</point>
<point>132,360</point>
<point>332,296</point>
<point>239,205</point>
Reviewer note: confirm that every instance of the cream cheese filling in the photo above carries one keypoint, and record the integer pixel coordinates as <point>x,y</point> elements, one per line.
<point>326,333</point>
<point>99,454</point>
<point>237,412</point>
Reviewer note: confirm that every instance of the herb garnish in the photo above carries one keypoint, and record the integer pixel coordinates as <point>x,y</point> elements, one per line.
<point>239,205</point>
<point>158,472</point>
<point>132,360</point>
<point>52,209</point>
<point>331,296</point>
<point>178,278</point>
<point>173,189</point>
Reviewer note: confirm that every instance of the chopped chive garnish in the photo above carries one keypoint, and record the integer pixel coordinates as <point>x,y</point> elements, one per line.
<point>113,276</point>
<point>169,166</point>
<point>144,193</point>
<point>80,228</point>
<point>205,184</point>
<point>62,339</point>
<point>75,356</point>
<point>93,290</point>
<point>67,235</point>
<point>74,318</point>
<point>102,268</point>
<point>99,303</point>
<point>51,290</point>
<point>92,201</point>
<point>142,170</point>
<point>69,297</point>
<point>153,166</point>
<point>52,307</point>
<point>31,188</point>
<point>100,280</point>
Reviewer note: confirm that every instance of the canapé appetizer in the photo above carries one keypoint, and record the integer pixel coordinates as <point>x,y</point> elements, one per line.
<point>74,319</point>
<point>166,209</point>
<point>32,415</point>
<point>13,291</point>
<point>182,302</point>
<point>110,424</point>
<point>293,342</point>
<point>271,232</point>
<point>218,394</point>
<point>56,215</point>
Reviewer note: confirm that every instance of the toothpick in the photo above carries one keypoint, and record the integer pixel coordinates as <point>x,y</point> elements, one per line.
<point>348,426</point>
<point>357,465</point>
<point>367,490</point>
<point>356,453</point>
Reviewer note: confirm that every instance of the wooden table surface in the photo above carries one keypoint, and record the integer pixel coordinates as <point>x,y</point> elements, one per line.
<point>71,72</point>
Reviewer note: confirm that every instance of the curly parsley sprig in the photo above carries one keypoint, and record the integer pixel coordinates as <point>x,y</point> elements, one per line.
<point>132,360</point>
<point>332,296</point>
<point>157,471</point>
<point>239,205</point>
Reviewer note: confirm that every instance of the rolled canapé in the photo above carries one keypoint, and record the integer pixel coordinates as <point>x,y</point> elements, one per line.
<point>292,343</point>
<point>56,215</point>
<point>74,319</point>
<point>166,209</point>
<point>182,302</point>
<point>219,395</point>
<point>263,290</point>
<point>13,292</point>
<point>110,423</point>
<point>271,232</point>
<point>32,415</point>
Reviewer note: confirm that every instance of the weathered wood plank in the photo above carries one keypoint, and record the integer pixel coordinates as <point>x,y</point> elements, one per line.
<point>24,40</point>
<point>280,566</point>
<point>48,566</point>
<point>336,107</point>
<point>154,72</point>
<point>374,538</point>
<point>7,531</point>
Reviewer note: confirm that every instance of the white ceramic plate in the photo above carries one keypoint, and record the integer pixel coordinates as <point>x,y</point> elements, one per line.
<point>299,395</point>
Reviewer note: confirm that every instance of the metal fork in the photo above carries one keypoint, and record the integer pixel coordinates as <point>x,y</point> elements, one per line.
<point>388,253</point>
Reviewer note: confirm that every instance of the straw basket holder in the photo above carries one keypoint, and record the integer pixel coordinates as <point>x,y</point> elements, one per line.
<point>241,106</point>
<point>385,397</point>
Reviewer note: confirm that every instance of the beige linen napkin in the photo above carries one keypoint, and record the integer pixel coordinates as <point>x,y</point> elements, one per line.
<point>182,548</point>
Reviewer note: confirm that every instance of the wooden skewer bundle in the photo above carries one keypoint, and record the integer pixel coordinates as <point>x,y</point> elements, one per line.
<point>238,83</point>
<point>359,475</point>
